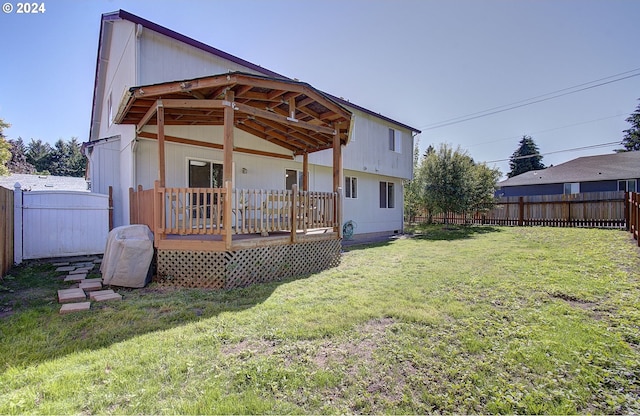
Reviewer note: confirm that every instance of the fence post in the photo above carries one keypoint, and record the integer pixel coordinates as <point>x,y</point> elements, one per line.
<point>627,219</point>
<point>17,223</point>
<point>111,207</point>
<point>521,211</point>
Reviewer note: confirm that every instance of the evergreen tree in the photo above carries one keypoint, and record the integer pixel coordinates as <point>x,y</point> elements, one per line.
<point>58,164</point>
<point>5,153</point>
<point>526,158</point>
<point>76,164</point>
<point>18,162</point>
<point>39,155</point>
<point>631,139</point>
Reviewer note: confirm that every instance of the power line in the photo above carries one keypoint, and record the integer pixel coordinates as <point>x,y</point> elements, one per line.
<point>533,100</point>
<point>548,130</point>
<point>594,146</point>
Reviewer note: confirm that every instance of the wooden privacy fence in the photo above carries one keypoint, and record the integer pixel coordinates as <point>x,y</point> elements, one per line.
<point>632,200</point>
<point>592,209</point>
<point>6,230</point>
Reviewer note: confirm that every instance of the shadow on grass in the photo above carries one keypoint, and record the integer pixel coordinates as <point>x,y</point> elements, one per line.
<point>34,331</point>
<point>443,232</point>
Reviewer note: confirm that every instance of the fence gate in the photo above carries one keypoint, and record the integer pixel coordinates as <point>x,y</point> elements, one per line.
<point>59,224</point>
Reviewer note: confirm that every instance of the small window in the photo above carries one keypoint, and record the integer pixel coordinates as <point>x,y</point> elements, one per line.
<point>572,188</point>
<point>350,187</point>
<point>387,196</point>
<point>628,185</point>
<point>395,140</point>
<point>392,140</point>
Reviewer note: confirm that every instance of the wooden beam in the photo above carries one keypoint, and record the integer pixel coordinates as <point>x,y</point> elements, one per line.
<point>227,167</point>
<point>247,109</point>
<point>188,104</point>
<point>216,146</point>
<point>161,156</point>
<point>148,116</point>
<point>182,86</point>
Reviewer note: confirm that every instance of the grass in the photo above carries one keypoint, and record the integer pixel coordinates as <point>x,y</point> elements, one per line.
<point>469,320</point>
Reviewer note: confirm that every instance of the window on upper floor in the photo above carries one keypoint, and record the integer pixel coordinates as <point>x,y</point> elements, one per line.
<point>628,185</point>
<point>387,196</point>
<point>395,140</point>
<point>350,187</point>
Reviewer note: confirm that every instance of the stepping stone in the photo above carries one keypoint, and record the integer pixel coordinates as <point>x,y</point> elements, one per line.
<point>71,295</point>
<point>108,296</point>
<point>60,264</point>
<point>65,268</point>
<point>75,307</point>
<point>80,271</point>
<point>90,286</point>
<point>97,261</point>
<point>93,295</point>
<point>93,280</point>
<point>75,277</point>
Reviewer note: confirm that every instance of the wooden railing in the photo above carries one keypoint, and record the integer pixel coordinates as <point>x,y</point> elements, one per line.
<point>213,211</point>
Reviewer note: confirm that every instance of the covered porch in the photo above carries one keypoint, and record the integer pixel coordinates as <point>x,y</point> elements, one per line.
<point>292,115</point>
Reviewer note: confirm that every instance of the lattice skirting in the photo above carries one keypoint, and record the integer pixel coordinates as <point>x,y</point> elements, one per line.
<point>233,269</point>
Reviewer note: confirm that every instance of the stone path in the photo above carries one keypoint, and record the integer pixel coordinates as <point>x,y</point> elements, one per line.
<point>74,299</point>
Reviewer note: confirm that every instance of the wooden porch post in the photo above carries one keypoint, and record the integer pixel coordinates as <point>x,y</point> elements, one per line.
<point>305,171</point>
<point>337,176</point>
<point>227,169</point>
<point>161,157</point>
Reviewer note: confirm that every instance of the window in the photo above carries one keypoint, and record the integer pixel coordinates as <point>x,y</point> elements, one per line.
<point>293,177</point>
<point>350,187</point>
<point>628,185</point>
<point>205,174</point>
<point>395,140</point>
<point>572,188</point>
<point>387,198</point>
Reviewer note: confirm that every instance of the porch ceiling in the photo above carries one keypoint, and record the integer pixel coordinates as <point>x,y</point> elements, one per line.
<point>291,114</point>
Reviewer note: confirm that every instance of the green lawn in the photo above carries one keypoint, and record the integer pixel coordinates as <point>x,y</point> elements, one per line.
<point>472,320</point>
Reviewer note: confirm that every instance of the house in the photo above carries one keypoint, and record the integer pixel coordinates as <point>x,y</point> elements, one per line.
<point>601,173</point>
<point>219,155</point>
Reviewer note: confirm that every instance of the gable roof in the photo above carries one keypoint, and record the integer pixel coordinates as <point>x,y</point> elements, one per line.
<point>291,114</point>
<point>122,14</point>
<point>606,167</point>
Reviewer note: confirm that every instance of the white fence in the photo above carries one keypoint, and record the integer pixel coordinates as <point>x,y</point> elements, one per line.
<point>59,224</point>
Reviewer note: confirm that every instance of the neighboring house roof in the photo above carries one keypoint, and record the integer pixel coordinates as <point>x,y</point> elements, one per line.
<point>607,167</point>
<point>121,14</point>
<point>43,182</point>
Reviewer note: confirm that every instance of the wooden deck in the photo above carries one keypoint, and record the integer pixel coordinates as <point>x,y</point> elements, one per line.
<point>224,219</point>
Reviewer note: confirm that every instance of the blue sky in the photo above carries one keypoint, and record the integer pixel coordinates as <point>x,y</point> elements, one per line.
<point>420,62</point>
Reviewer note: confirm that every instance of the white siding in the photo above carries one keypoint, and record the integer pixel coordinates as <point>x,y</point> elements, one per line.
<point>368,151</point>
<point>177,60</point>
<point>104,171</point>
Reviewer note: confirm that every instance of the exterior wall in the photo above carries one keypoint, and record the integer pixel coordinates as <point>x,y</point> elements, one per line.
<point>269,173</point>
<point>179,60</point>
<point>601,186</point>
<point>104,171</point>
<point>368,149</point>
<point>528,190</point>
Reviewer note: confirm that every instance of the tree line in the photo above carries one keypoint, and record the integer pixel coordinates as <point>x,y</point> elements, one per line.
<point>64,158</point>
